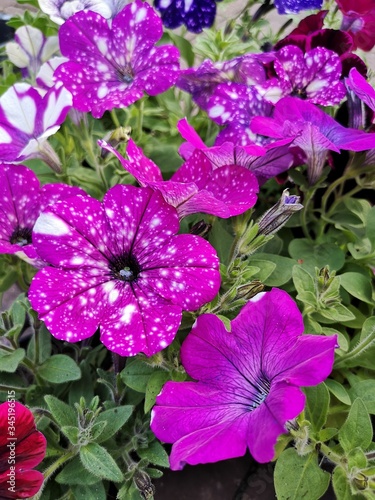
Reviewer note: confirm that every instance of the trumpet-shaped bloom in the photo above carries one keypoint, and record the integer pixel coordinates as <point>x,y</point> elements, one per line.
<point>26,121</point>
<point>30,49</point>
<point>120,265</point>
<point>247,382</point>
<point>18,434</point>
<point>111,66</point>
<point>60,10</point>
<point>22,201</point>
<point>198,186</point>
<point>194,14</point>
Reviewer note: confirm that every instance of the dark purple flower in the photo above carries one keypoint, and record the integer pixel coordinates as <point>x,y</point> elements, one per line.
<point>111,66</point>
<point>361,88</point>
<point>26,121</point>
<point>194,14</point>
<point>18,433</point>
<point>198,186</point>
<point>312,130</point>
<point>120,265</point>
<point>313,75</point>
<point>294,6</point>
<point>359,21</point>
<point>247,382</point>
<point>21,202</point>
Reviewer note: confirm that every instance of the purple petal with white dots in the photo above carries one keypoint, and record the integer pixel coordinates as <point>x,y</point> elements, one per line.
<point>194,14</point>
<point>111,66</point>
<point>294,6</point>
<point>111,256</point>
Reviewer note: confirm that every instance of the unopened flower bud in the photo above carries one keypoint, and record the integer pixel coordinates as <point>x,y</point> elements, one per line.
<point>278,215</point>
<point>144,484</point>
<point>249,290</point>
<point>115,137</point>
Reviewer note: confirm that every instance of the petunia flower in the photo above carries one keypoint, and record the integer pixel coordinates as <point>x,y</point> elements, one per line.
<point>194,14</point>
<point>30,49</point>
<point>361,88</point>
<point>60,10</point>
<point>295,6</point>
<point>312,130</point>
<point>247,382</point>
<point>111,66</point>
<point>359,21</point>
<point>120,266</point>
<point>22,447</point>
<point>262,162</point>
<point>198,186</point>
<point>22,201</point>
<point>26,121</point>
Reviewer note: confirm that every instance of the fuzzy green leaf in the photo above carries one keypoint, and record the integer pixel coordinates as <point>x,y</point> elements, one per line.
<point>154,386</point>
<point>99,462</point>
<point>75,473</point>
<point>115,418</point>
<point>357,429</point>
<point>63,414</point>
<point>338,391</point>
<point>358,286</point>
<point>136,374</point>
<point>365,389</point>
<point>9,361</point>
<point>59,368</point>
<point>155,454</point>
<point>317,404</point>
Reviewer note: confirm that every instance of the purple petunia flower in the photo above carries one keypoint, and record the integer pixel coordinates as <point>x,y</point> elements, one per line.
<point>21,203</point>
<point>312,130</point>
<point>295,6</point>
<point>198,186</point>
<point>120,265</point>
<point>194,14</point>
<point>361,88</point>
<point>26,121</point>
<point>247,382</point>
<point>314,75</point>
<point>111,66</point>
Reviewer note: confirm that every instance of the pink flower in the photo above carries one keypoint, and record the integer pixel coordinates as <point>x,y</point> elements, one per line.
<point>247,382</point>
<point>22,442</point>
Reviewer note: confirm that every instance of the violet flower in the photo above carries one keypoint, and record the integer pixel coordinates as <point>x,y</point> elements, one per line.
<point>295,6</point>
<point>22,201</point>
<point>247,382</point>
<point>194,14</point>
<point>312,130</point>
<point>111,66</point>
<point>26,121</point>
<point>60,10</point>
<point>361,88</point>
<point>30,49</point>
<point>198,185</point>
<point>119,265</point>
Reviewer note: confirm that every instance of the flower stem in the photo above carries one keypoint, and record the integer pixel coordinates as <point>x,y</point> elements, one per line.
<point>53,468</point>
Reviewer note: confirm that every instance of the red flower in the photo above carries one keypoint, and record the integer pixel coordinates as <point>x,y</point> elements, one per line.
<point>22,447</point>
<point>359,21</point>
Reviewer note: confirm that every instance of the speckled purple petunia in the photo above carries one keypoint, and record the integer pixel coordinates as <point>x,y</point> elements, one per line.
<point>120,265</point>
<point>111,66</point>
<point>194,14</point>
<point>247,382</point>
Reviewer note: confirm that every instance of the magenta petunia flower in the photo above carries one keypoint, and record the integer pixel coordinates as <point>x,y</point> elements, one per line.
<point>314,75</point>
<point>198,186</point>
<point>22,447</point>
<point>26,121</point>
<point>361,88</point>
<point>247,382</point>
<point>21,202</point>
<point>312,130</point>
<point>111,66</point>
<point>120,265</point>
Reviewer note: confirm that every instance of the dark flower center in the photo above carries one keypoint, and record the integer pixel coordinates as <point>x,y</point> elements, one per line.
<point>21,236</point>
<point>125,268</point>
<point>125,74</point>
<point>261,389</point>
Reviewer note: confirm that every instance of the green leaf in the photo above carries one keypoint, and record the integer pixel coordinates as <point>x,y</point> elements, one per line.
<point>366,391</point>
<point>304,282</point>
<point>358,286</point>
<point>115,418</point>
<point>266,268</point>
<point>363,349</point>
<point>154,386</point>
<point>327,434</point>
<point>63,414</point>
<point>281,274</point>
<point>42,351</point>
<point>89,492</point>
<point>357,429</point>
<point>326,254</point>
<point>136,374</point>
<point>370,226</point>
<point>75,473</point>
<point>299,477</point>
<point>155,454</point>
<point>317,404</point>
<point>99,462</point>
<point>59,368</point>
<point>71,432</point>
<point>338,391</point>
<point>9,361</point>
<point>184,46</point>
<point>338,313</point>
